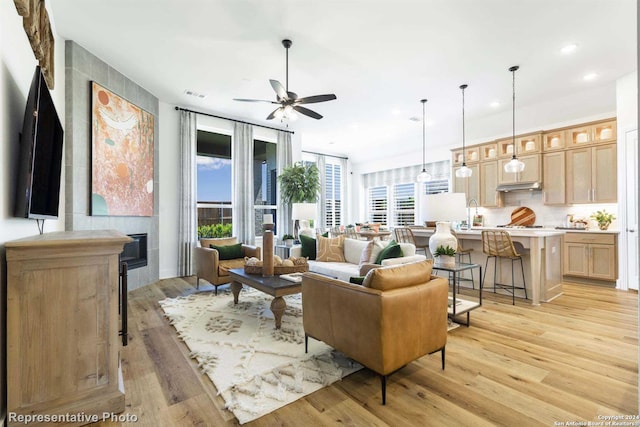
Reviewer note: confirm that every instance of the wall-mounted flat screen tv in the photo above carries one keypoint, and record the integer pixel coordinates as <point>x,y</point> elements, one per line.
<point>40,162</point>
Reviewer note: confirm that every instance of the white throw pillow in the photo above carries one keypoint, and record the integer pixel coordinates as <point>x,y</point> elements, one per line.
<point>378,246</point>
<point>353,250</point>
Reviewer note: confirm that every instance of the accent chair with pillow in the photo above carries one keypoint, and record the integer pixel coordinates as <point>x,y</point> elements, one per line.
<point>396,316</point>
<point>215,257</point>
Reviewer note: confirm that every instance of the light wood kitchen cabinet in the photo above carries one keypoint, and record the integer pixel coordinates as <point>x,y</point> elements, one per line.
<point>594,133</point>
<point>531,172</point>
<point>62,324</point>
<point>470,186</point>
<point>592,174</point>
<point>553,140</point>
<point>524,145</point>
<point>591,255</point>
<point>553,181</point>
<point>472,155</point>
<point>489,197</point>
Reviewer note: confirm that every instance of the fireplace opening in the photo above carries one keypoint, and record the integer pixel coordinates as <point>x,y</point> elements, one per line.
<point>135,252</point>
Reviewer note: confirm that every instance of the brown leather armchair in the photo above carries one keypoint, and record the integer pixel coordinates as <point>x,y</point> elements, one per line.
<point>398,316</point>
<point>211,268</point>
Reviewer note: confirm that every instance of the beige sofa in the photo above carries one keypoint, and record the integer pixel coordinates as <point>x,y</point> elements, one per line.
<point>399,316</point>
<point>211,268</point>
<point>352,267</point>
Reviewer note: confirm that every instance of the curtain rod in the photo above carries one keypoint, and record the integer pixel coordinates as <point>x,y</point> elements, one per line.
<point>233,120</point>
<point>322,154</point>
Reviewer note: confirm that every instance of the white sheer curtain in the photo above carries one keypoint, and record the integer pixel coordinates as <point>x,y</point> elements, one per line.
<point>283,160</point>
<point>187,227</point>
<point>242,158</point>
<point>322,205</point>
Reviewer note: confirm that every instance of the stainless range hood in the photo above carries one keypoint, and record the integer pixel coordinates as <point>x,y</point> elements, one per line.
<point>520,186</point>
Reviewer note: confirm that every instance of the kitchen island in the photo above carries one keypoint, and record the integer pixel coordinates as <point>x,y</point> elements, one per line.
<point>541,252</point>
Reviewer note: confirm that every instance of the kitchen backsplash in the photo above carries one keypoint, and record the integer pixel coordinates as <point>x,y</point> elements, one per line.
<point>548,216</point>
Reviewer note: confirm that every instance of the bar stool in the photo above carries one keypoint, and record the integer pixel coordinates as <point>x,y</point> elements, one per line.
<point>460,252</point>
<point>498,244</point>
<point>405,235</point>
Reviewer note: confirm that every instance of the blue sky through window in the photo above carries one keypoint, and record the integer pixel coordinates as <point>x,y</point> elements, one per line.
<point>214,179</point>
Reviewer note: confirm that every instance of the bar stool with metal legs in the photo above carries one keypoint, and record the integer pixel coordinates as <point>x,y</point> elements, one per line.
<point>405,235</point>
<point>498,244</point>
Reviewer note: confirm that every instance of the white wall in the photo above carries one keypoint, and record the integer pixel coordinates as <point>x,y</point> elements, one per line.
<point>17,64</point>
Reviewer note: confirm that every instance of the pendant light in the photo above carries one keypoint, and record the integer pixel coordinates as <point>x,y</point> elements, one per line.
<point>464,171</point>
<point>514,165</point>
<point>424,175</point>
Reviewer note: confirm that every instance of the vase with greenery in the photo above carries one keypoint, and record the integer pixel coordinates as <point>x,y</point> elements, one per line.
<point>288,239</point>
<point>603,218</point>
<point>445,255</point>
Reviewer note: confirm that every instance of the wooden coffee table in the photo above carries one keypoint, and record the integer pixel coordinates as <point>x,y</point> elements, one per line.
<point>273,285</point>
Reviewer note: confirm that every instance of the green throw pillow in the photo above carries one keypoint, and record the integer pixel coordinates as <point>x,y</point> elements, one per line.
<point>308,247</point>
<point>356,280</point>
<point>393,250</point>
<point>228,251</point>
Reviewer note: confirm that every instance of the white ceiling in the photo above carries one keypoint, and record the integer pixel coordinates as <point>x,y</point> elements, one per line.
<point>380,57</point>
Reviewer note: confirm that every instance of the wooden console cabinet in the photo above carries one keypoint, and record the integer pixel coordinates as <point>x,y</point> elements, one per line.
<point>62,324</point>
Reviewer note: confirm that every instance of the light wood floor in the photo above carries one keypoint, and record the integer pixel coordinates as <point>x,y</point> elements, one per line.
<point>569,360</point>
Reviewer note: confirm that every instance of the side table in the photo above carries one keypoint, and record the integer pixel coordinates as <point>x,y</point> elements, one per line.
<point>461,306</point>
<point>285,250</point>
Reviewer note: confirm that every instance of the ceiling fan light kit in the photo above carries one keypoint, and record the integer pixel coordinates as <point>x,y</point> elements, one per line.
<point>290,104</point>
<point>464,171</point>
<point>423,176</point>
<point>514,165</point>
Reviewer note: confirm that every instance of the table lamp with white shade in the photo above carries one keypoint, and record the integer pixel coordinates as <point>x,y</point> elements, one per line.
<point>443,208</point>
<point>302,212</point>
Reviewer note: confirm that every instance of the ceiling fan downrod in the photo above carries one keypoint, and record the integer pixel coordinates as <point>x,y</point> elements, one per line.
<point>287,44</point>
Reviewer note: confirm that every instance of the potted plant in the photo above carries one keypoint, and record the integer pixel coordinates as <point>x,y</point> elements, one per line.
<point>446,255</point>
<point>603,218</point>
<point>300,183</point>
<point>288,239</point>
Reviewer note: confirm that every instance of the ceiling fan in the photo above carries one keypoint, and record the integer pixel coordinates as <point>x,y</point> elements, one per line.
<point>289,101</point>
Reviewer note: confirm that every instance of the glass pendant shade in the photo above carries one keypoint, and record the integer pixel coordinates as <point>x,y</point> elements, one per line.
<point>464,172</point>
<point>514,165</point>
<point>423,176</point>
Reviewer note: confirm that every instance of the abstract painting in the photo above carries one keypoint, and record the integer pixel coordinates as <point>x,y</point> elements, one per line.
<point>122,156</point>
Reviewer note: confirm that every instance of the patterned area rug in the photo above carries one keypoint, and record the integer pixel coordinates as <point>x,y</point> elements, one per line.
<point>256,368</point>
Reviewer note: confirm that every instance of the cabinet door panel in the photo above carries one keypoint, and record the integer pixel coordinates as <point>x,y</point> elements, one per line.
<point>579,175</point>
<point>576,259</point>
<point>505,177</point>
<point>553,182</point>
<point>473,191</point>
<point>602,262</point>
<point>488,184</point>
<point>604,174</point>
<point>531,172</point>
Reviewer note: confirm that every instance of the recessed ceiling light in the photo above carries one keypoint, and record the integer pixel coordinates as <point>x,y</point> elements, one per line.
<point>590,76</point>
<point>495,104</point>
<point>396,112</point>
<point>570,48</point>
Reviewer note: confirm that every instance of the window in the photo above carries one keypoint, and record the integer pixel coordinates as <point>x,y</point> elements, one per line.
<point>333,194</point>
<point>214,179</point>
<point>378,204</point>
<point>404,203</point>
<point>436,186</point>
<point>264,182</point>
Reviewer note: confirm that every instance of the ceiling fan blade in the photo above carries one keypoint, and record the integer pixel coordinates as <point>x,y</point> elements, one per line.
<point>307,112</point>
<point>315,98</point>
<point>273,113</point>
<point>280,91</point>
<point>254,100</point>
